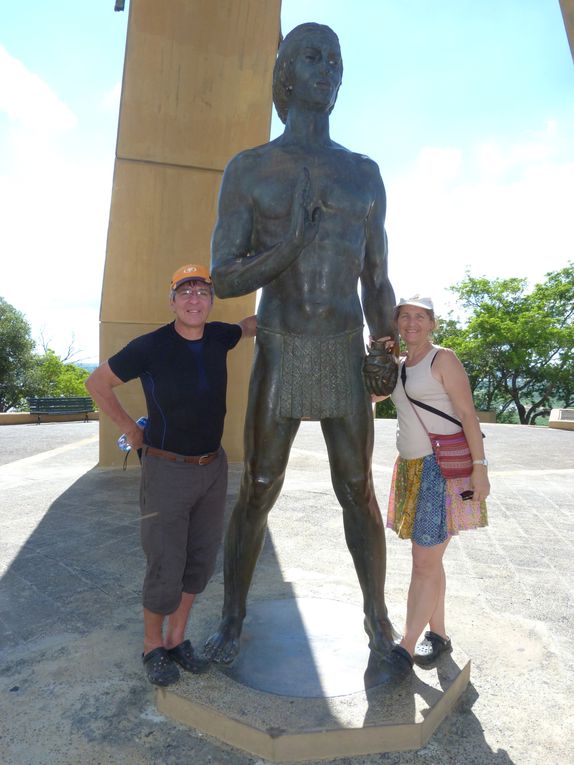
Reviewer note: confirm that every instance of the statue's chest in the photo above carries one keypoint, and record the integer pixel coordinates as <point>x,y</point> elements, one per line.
<point>335,187</point>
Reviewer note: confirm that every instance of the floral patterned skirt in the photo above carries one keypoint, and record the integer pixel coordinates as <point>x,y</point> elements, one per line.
<point>428,509</point>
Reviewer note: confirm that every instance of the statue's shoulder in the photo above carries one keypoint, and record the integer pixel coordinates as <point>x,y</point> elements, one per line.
<point>368,165</point>
<point>361,161</point>
<point>252,156</point>
<point>243,173</point>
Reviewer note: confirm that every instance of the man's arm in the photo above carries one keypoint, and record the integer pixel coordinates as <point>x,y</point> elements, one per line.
<point>235,268</point>
<point>100,385</point>
<point>377,293</point>
<point>248,326</point>
<point>380,366</point>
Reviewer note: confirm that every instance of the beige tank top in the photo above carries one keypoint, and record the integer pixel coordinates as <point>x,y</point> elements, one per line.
<point>412,440</point>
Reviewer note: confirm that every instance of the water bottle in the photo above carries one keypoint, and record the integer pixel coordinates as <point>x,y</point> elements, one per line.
<point>123,439</point>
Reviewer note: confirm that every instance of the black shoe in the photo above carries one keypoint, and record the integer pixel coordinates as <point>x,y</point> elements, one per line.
<point>429,649</point>
<point>188,659</point>
<point>159,667</point>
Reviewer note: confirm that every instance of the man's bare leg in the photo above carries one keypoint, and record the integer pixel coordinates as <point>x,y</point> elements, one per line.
<point>243,543</point>
<point>268,442</point>
<point>153,630</point>
<point>349,443</point>
<point>177,622</point>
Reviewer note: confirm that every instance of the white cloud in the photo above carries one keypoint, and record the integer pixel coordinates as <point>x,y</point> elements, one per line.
<point>437,166</point>
<point>54,198</point>
<point>55,229</point>
<point>511,220</point>
<point>27,100</point>
<point>494,161</point>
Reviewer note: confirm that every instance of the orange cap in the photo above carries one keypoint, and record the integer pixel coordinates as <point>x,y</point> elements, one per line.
<point>189,273</point>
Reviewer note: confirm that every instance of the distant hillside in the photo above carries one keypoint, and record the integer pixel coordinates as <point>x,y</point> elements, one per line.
<point>86,366</point>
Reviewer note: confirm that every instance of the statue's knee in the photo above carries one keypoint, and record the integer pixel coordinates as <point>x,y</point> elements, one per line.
<point>262,491</point>
<point>355,491</point>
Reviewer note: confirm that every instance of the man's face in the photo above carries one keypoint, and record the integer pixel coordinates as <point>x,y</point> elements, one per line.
<point>192,303</point>
<point>317,72</point>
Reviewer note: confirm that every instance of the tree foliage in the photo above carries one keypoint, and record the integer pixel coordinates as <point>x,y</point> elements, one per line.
<point>24,373</point>
<point>55,377</point>
<point>516,345</point>
<point>385,410</point>
<point>16,356</point>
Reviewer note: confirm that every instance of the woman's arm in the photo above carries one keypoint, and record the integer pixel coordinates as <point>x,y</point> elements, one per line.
<point>448,369</point>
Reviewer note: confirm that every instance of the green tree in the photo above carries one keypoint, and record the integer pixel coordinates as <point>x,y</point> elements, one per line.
<point>517,346</point>
<point>16,357</point>
<point>55,377</point>
<point>385,410</point>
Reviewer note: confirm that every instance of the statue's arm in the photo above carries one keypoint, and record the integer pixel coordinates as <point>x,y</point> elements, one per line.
<point>377,293</point>
<point>236,268</point>
<point>380,364</point>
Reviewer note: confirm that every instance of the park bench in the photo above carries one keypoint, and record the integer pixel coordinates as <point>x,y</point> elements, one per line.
<point>60,405</point>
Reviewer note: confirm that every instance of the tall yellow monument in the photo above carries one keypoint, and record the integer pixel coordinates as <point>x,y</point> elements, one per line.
<point>567,8</point>
<point>196,90</point>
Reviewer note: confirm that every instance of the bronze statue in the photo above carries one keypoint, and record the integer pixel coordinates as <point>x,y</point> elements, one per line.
<point>303,218</point>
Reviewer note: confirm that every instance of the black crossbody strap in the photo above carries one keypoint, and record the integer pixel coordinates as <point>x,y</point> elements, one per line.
<point>426,406</point>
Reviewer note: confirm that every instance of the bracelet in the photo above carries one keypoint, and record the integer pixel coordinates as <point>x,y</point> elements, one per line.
<point>480,462</point>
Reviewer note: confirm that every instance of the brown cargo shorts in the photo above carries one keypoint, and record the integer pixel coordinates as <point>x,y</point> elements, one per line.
<point>182,508</point>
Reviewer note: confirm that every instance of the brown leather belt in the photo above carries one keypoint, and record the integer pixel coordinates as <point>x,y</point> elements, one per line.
<point>203,459</point>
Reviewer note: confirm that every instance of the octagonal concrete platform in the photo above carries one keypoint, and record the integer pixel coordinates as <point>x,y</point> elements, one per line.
<point>303,688</point>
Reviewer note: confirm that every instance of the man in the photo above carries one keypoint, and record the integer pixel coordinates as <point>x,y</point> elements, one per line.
<point>182,368</point>
<point>303,218</point>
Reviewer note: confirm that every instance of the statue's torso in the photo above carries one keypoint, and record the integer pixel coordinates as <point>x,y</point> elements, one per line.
<point>317,294</point>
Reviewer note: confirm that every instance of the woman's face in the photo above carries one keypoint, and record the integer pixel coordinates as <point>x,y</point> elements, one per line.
<point>414,324</point>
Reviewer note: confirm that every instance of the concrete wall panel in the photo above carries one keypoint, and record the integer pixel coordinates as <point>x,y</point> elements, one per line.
<point>196,90</point>
<point>197,80</point>
<point>161,218</point>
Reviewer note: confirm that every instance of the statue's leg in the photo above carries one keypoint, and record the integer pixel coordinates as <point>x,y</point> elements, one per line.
<point>350,445</point>
<point>268,440</point>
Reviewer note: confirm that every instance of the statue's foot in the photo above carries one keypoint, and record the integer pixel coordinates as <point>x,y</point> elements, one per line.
<point>382,636</point>
<point>223,646</point>
<point>389,670</point>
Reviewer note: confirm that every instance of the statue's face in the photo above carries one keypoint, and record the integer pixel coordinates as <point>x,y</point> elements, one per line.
<point>317,72</point>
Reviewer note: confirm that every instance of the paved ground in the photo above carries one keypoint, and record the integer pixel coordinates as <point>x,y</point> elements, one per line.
<point>71,684</point>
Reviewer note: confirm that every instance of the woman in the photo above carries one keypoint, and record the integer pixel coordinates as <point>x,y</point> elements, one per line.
<point>423,506</point>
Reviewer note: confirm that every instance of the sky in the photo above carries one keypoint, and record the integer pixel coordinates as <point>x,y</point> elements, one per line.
<point>467,108</point>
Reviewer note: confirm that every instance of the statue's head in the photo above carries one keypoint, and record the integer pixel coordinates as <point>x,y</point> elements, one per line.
<point>305,35</point>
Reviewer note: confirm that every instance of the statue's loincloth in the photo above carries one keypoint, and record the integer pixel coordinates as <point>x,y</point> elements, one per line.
<point>320,375</point>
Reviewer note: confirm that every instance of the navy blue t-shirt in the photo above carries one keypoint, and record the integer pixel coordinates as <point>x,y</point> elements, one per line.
<point>184,382</point>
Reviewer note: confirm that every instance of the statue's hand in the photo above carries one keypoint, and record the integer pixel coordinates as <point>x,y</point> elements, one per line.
<point>380,369</point>
<point>304,220</point>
